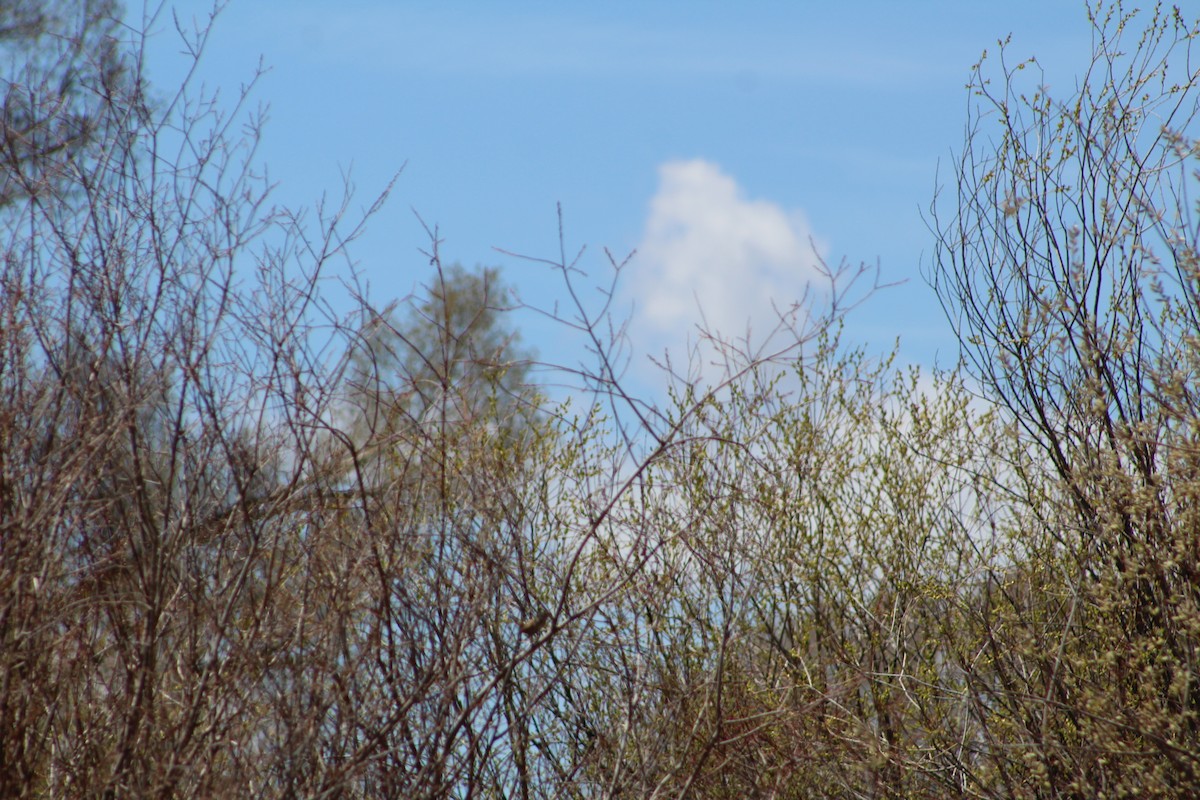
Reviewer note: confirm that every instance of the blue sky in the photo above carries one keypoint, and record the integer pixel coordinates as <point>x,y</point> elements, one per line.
<point>716,139</point>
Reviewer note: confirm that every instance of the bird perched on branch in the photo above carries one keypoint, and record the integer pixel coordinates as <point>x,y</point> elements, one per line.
<point>534,624</point>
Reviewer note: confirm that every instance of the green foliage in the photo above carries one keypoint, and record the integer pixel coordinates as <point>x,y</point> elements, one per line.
<point>1070,266</point>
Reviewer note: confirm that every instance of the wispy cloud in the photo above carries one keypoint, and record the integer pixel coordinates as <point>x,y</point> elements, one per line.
<point>712,257</point>
<point>419,39</point>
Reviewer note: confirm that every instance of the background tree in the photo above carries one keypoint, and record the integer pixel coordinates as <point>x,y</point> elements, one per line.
<point>63,63</point>
<point>452,335</point>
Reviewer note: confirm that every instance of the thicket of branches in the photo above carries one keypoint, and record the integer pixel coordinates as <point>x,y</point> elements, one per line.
<point>254,542</point>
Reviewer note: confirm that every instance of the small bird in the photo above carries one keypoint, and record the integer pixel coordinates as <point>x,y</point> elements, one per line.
<point>531,626</point>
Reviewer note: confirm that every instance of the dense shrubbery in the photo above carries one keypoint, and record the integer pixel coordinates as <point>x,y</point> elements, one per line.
<point>251,544</point>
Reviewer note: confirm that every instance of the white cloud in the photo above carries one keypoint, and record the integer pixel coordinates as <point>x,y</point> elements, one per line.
<point>710,254</point>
